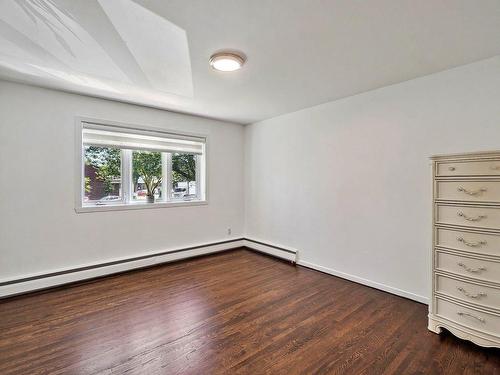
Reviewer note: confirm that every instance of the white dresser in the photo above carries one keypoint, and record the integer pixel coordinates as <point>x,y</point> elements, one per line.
<point>466,247</point>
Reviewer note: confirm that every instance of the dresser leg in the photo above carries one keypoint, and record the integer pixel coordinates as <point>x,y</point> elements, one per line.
<point>433,326</point>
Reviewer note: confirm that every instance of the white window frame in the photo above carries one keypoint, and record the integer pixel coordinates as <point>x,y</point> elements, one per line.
<point>126,164</point>
<point>199,191</point>
<point>123,169</point>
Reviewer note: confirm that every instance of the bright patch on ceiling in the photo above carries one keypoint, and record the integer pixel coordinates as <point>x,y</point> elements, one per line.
<point>112,46</point>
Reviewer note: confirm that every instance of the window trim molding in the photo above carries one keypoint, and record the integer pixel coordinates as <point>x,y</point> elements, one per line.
<point>139,206</point>
<point>80,172</point>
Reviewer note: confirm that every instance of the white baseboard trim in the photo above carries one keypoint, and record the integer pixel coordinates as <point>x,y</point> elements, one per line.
<point>272,249</point>
<point>370,283</point>
<point>30,283</point>
<point>33,282</point>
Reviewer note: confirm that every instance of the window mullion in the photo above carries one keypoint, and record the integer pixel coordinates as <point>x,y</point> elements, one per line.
<point>164,176</point>
<point>82,175</point>
<point>167,180</point>
<point>198,176</point>
<point>127,175</point>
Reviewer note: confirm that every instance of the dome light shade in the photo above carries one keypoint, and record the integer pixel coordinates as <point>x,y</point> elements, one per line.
<point>226,61</point>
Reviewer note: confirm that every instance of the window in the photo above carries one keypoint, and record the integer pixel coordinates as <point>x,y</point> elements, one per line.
<point>102,172</point>
<point>183,176</point>
<point>124,167</point>
<point>146,175</point>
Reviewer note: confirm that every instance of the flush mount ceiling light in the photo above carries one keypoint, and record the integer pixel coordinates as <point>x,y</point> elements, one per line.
<point>226,61</point>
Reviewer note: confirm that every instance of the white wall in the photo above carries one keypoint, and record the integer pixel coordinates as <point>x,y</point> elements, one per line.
<point>39,229</point>
<point>348,183</point>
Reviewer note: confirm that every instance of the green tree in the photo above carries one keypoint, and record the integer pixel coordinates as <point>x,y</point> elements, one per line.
<point>88,188</point>
<point>148,166</point>
<point>183,167</point>
<point>107,162</point>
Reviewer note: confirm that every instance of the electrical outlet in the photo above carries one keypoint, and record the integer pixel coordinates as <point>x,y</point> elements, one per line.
<point>229,231</point>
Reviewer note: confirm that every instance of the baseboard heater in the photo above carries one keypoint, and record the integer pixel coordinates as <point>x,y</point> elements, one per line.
<point>271,249</point>
<point>34,282</point>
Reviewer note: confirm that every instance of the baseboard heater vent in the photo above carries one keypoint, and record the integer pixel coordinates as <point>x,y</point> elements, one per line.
<point>31,283</point>
<point>271,249</point>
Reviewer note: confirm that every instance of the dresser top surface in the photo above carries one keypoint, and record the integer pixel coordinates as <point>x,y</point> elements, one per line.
<point>468,155</point>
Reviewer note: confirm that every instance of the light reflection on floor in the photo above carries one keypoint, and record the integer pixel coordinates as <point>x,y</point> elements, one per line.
<point>154,325</point>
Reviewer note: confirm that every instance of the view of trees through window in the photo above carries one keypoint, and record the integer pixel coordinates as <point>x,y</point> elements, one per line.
<point>146,175</point>
<point>102,174</point>
<point>103,179</point>
<point>183,176</point>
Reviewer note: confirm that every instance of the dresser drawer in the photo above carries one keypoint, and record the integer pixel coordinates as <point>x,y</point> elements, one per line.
<point>483,270</point>
<point>488,244</point>
<point>468,168</point>
<point>468,191</point>
<point>476,319</point>
<point>486,296</point>
<point>473,217</point>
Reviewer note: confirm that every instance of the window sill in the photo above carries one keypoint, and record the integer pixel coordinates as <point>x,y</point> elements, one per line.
<point>138,206</point>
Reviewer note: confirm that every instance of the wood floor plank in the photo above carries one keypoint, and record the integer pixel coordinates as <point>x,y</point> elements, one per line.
<point>236,312</point>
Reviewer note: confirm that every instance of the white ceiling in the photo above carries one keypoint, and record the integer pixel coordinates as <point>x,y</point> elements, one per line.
<point>300,52</point>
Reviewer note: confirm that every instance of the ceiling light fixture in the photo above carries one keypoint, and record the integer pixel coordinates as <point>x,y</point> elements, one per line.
<point>227,61</point>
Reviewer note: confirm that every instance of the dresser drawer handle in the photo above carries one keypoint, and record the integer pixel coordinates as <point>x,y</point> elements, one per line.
<point>475,296</point>
<point>451,168</point>
<point>480,191</point>
<point>472,270</point>
<point>469,218</point>
<point>471,244</point>
<point>461,313</point>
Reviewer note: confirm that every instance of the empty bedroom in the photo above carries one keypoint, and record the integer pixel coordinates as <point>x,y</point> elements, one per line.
<point>249,187</point>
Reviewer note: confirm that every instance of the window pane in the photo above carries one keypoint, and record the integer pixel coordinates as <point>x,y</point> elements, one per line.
<point>102,175</point>
<point>184,176</point>
<point>146,175</point>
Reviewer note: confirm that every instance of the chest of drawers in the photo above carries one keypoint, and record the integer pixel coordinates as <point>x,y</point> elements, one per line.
<point>466,247</point>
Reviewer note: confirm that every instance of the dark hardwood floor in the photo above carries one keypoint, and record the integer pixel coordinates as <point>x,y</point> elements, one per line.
<point>230,313</point>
